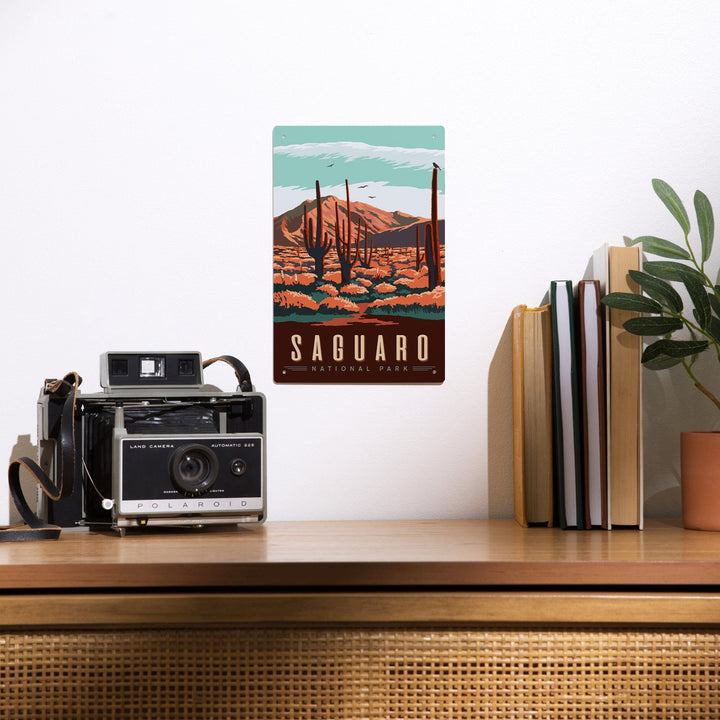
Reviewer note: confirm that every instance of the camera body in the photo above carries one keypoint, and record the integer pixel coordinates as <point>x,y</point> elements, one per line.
<point>157,447</point>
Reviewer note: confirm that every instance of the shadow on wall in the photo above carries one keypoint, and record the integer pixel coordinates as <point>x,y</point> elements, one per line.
<point>499,441</point>
<point>24,448</point>
<point>671,405</point>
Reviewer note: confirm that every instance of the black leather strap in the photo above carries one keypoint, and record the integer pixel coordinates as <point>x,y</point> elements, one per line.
<point>241,372</point>
<point>34,528</point>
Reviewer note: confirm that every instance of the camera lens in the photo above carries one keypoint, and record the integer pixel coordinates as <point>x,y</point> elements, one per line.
<point>193,469</point>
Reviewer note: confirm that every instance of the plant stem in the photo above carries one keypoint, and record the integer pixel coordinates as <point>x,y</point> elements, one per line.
<point>692,254</point>
<point>708,394</point>
<point>700,386</point>
<point>693,328</point>
<point>701,267</point>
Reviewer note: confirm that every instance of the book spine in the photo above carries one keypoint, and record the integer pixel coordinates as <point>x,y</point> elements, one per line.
<point>566,408</point>
<point>518,416</point>
<point>592,371</point>
<point>625,397</point>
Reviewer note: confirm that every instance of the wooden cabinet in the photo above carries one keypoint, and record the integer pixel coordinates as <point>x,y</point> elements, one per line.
<point>396,619</point>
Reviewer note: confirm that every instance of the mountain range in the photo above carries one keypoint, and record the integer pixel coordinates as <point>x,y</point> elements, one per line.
<point>394,229</point>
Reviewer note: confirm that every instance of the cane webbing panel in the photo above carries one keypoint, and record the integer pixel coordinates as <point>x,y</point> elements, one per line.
<point>384,673</point>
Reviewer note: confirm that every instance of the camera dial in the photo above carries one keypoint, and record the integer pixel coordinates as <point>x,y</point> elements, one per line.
<point>193,469</point>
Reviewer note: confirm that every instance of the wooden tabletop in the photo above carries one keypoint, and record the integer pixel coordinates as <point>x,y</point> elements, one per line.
<point>381,554</point>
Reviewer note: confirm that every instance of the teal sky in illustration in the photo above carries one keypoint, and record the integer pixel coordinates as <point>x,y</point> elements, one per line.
<point>386,166</point>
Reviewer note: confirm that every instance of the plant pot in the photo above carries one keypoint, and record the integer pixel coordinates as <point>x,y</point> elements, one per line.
<point>700,480</point>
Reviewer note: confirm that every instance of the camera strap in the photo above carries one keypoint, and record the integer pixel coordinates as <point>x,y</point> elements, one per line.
<point>34,528</point>
<point>241,372</point>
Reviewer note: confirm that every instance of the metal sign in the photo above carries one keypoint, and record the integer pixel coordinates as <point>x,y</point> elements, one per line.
<point>359,254</point>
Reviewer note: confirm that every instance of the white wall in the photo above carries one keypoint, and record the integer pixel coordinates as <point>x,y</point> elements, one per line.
<point>136,204</point>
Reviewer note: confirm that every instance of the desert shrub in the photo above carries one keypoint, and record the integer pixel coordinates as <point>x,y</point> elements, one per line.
<point>361,271</point>
<point>289,302</point>
<point>285,279</point>
<point>329,289</point>
<point>337,306</point>
<point>353,289</point>
<point>430,304</point>
<point>414,283</point>
<point>334,277</point>
<point>408,273</point>
<point>374,274</point>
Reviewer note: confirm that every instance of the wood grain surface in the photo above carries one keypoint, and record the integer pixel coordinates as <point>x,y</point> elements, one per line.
<point>383,554</point>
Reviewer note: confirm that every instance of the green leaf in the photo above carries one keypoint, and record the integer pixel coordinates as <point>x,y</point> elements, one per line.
<point>699,297</point>
<point>673,203</point>
<point>673,349</point>
<point>658,290</point>
<point>631,301</point>
<point>661,362</point>
<point>714,329</point>
<point>706,222</point>
<point>663,248</point>
<point>652,325</point>
<point>669,270</point>
<point>714,303</point>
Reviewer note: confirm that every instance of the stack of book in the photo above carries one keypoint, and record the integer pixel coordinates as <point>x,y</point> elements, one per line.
<point>577,403</point>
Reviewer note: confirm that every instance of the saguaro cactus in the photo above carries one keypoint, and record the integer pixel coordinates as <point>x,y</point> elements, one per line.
<point>432,239</point>
<point>368,248</point>
<point>419,256</point>
<point>316,243</point>
<point>343,240</point>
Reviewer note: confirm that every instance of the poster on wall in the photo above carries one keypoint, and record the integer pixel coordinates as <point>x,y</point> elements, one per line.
<point>359,254</point>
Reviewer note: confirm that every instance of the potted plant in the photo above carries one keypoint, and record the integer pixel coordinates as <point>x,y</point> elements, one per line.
<point>682,333</point>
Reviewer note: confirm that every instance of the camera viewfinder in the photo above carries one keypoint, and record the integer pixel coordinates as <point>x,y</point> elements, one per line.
<point>152,367</point>
<point>119,367</point>
<point>186,367</point>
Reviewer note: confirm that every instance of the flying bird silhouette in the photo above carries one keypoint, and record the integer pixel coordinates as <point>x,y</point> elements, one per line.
<point>362,186</point>
<point>331,164</point>
<point>372,197</point>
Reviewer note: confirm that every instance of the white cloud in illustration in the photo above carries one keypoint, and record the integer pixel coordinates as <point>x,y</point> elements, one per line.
<point>399,157</point>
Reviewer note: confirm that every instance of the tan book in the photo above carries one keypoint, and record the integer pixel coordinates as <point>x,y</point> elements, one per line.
<point>532,415</point>
<point>624,396</point>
